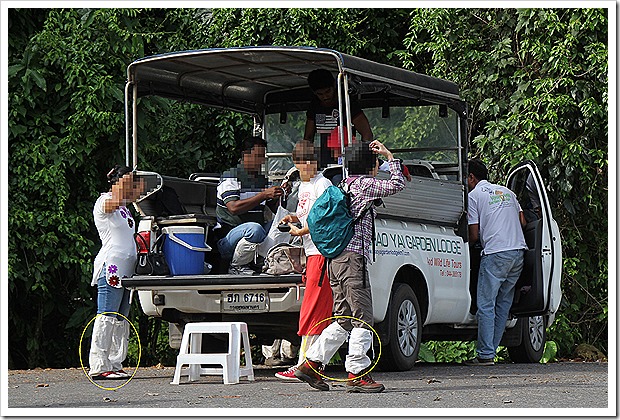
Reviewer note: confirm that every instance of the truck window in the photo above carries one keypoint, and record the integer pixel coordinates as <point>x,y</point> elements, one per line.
<point>525,188</point>
<point>281,138</point>
<point>420,127</point>
<point>406,129</point>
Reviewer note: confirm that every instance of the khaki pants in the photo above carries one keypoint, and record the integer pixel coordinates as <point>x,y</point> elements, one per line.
<point>348,278</point>
<point>352,301</point>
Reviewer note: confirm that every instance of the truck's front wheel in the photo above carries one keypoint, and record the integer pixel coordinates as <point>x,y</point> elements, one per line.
<point>401,352</point>
<point>534,336</point>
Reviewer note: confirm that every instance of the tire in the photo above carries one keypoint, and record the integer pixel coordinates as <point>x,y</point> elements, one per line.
<point>534,337</point>
<point>405,318</point>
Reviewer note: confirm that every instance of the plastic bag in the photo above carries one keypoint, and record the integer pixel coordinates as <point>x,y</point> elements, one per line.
<point>274,236</point>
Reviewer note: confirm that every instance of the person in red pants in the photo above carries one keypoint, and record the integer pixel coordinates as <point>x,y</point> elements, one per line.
<point>317,302</point>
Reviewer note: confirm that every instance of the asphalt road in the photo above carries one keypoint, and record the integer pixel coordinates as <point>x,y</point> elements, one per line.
<point>534,389</point>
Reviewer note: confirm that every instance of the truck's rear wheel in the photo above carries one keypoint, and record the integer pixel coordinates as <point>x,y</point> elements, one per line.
<point>401,352</point>
<point>534,337</point>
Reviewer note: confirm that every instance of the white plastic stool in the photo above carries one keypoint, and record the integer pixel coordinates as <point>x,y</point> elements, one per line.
<point>190,352</point>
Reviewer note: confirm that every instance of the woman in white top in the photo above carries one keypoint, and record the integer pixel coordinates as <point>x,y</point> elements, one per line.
<point>115,260</point>
<point>317,302</point>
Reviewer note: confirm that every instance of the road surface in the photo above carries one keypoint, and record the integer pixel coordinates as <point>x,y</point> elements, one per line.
<point>535,389</point>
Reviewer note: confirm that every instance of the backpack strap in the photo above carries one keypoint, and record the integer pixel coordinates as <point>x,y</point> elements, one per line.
<point>158,246</point>
<point>323,271</point>
<point>364,267</point>
<point>348,182</point>
<point>374,239</point>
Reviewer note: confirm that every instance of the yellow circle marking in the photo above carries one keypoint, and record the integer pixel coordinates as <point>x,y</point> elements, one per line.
<point>365,371</point>
<point>139,352</point>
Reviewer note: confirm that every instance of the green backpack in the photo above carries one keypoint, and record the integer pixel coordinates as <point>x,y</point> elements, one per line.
<point>330,221</point>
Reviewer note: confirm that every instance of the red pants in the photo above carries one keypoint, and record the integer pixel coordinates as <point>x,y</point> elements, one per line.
<point>318,301</point>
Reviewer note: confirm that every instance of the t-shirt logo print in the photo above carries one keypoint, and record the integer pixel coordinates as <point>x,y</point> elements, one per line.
<point>113,279</point>
<point>303,204</point>
<point>498,196</point>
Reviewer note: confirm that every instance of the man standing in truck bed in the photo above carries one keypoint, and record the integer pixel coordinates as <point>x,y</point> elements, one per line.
<point>495,217</point>
<point>323,115</point>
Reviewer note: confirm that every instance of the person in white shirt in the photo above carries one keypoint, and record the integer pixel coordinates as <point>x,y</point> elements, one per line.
<point>317,302</point>
<point>496,219</point>
<point>115,261</point>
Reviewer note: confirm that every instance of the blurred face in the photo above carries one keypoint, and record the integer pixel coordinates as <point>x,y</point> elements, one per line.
<point>129,187</point>
<point>253,159</point>
<point>327,96</point>
<point>307,169</point>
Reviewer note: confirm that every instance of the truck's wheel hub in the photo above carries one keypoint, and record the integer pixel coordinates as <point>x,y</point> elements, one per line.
<point>407,328</point>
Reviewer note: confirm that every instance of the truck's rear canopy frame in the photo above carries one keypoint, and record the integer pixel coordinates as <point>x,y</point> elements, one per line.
<point>258,80</point>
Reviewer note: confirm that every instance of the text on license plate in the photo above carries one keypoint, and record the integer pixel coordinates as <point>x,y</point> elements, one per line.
<point>245,301</point>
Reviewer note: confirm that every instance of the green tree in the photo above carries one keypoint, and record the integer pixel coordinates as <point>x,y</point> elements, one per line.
<point>370,33</point>
<point>67,70</point>
<point>536,82</point>
<point>66,129</point>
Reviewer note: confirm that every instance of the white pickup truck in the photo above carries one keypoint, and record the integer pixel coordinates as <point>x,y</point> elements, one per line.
<point>424,275</point>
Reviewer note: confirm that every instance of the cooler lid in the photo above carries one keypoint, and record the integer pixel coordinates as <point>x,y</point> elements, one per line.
<point>183,229</point>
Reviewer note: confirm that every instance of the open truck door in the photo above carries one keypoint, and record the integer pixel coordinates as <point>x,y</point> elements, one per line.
<point>538,292</point>
<point>538,289</point>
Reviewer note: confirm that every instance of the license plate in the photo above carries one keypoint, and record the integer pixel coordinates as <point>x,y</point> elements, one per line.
<point>245,301</point>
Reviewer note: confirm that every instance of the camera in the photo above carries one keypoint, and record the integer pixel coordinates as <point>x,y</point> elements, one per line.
<point>284,227</point>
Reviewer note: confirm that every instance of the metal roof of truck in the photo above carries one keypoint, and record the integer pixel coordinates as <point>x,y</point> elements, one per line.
<point>249,79</point>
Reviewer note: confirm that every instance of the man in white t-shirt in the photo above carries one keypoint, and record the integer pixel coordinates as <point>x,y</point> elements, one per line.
<point>496,219</point>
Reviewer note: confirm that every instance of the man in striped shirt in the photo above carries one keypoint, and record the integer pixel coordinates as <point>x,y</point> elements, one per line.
<point>241,197</point>
<point>349,276</point>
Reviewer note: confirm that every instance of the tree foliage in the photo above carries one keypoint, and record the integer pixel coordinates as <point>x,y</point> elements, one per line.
<point>536,81</point>
<point>67,72</point>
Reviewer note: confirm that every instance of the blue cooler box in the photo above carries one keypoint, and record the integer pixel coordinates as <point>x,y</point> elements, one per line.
<point>184,249</point>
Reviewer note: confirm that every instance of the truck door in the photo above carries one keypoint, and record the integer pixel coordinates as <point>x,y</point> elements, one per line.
<point>538,289</point>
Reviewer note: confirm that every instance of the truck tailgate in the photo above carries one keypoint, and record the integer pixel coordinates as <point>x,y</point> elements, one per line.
<point>212,282</point>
